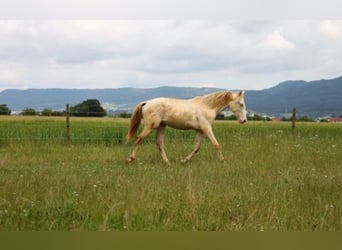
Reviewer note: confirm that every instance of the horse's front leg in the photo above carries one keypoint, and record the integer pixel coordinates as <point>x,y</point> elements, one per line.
<point>209,132</point>
<point>198,140</point>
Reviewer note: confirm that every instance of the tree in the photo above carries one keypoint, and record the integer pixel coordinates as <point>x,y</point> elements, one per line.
<point>231,117</point>
<point>46,112</point>
<point>4,110</point>
<point>88,108</point>
<point>50,112</point>
<point>125,115</point>
<point>220,116</point>
<point>305,118</point>
<point>29,111</point>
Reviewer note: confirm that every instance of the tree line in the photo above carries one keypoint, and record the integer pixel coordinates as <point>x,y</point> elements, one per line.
<point>87,108</point>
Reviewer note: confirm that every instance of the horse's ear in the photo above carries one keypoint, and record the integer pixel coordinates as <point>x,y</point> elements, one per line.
<point>242,93</point>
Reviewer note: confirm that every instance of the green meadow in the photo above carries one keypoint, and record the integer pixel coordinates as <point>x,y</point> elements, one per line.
<point>273,179</point>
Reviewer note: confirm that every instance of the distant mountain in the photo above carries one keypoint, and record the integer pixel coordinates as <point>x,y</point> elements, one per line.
<point>315,98</point>
<point>122,98</point>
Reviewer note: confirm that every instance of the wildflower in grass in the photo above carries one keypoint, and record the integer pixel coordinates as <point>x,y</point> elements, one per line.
<point>25,213</point>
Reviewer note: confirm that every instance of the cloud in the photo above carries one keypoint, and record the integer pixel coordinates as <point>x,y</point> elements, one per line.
<point>332,29</point>
<point>276,41</point>
<point>114,53</point>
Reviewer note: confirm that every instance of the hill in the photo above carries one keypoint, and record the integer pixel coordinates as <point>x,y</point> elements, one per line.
<point>315,98</point>
<point>113,99</point>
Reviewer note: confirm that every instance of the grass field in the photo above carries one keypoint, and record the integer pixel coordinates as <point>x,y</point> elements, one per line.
<point>272,180</point>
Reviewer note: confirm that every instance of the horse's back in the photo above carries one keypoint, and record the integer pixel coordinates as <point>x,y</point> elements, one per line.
<point>163,106</point>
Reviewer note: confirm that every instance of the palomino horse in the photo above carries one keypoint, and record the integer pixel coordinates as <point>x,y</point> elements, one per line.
<point>197,113</point>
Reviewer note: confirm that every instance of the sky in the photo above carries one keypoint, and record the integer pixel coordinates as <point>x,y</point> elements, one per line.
<point>238,53</point>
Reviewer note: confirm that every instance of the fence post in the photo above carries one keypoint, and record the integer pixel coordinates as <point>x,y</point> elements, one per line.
<point>293,119</point>
<point>68,123</point>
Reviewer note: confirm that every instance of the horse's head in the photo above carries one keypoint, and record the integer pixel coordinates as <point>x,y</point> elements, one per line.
<point>238,106</point>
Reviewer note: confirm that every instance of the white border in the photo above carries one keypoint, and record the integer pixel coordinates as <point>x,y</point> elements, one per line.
<point>170,9</point>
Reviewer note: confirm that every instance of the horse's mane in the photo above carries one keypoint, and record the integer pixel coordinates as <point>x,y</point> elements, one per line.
<point>217,100</point>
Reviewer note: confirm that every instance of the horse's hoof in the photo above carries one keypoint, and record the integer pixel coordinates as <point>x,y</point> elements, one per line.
<point>130,159</point>
<point>184,161</point>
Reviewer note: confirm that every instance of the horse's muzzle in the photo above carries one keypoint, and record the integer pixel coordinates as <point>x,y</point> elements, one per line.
<point>242,121</point>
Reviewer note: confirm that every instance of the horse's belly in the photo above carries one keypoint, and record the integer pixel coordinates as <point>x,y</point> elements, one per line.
<point>181,125</point>
<point>182,120</point>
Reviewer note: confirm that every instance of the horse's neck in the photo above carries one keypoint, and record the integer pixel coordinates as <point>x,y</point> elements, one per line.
<point>218,109</point>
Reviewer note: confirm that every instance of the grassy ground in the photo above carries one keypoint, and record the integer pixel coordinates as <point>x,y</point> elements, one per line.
<point>271,179</point>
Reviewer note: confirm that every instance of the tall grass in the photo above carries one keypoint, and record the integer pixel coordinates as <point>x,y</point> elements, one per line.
<point>272,179</point>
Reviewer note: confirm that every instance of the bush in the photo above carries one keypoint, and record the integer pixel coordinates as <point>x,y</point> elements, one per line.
<point>4,110</point>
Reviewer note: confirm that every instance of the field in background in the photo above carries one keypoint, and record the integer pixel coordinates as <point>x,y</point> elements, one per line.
<point>271,179</point>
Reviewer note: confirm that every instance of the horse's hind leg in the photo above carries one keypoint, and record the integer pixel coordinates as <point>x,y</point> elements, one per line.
<point>146,131</point>
<point>160,143</point>
<point>198,140</point>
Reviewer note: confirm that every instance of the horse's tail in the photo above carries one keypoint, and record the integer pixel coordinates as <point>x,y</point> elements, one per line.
<point>135,121</point>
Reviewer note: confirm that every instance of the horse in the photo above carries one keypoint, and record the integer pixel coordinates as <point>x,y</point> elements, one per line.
<point>197,113</point>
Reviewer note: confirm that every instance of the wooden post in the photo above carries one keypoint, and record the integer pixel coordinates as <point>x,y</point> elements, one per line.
<point>293,119</point>
<point>68,123</point>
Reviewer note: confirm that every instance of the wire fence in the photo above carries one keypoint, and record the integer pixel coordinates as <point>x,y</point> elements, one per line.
<point>56,131</point>
<point>72,130</point>
<point>112,131</point>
